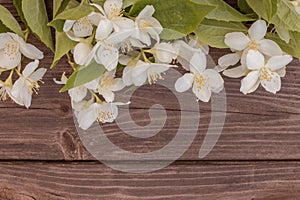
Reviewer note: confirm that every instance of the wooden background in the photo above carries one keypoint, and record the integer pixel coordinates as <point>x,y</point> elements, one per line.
<point>257,156</point>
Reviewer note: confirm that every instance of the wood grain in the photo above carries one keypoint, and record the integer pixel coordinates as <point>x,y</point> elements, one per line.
<point>239,181</point>
<point>259,126</point>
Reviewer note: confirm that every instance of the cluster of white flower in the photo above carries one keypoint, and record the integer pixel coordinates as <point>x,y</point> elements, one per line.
<point>262,60</point>
<point>109,38</point>
<point>12,47</point>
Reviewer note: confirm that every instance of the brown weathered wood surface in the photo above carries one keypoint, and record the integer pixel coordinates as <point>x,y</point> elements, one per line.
<point>256,157</point>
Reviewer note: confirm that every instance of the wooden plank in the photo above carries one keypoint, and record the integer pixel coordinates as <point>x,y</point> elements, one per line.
<point>258,126</point>
<point>53,181</point>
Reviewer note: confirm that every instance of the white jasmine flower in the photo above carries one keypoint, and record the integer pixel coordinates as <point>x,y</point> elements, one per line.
<point>106,50</point>
<point>78,29</point>
<point>147,26</point>
<point>27,84</point>
<point>106,85</point>
<point>163,53</point>
<point>238,41</point>
<point>266,74</point>
<point>12,47</point>
<point>138,73</point>
<point>77,94</point>
<point>100,112</point>
<point>112,13</point>
<point>203,81</point>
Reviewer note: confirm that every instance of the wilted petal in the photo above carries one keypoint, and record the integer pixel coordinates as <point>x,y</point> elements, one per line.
<point>270,48</point>
<point>278,62</point>
<point>237,41</point>
<point>258,30</point>
<point>255,60</point>
<point>184,83</point>
<point>249,82</point>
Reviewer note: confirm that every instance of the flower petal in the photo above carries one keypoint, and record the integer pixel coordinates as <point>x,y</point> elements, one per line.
<point>215,80</point>
<point>104,29</point>
<point>184,83</point>
<point>38,74</point>
<point>274,84</point>
<point>109,96</point>
<point>112,6</point>
<point>255,60</point>
<point>198,63</point>
<point>148,11</point>
<point>237,40</point>
<point>29,69</point>
<point>109,56</point>
<point>236,72</point>
<point>9,61</point>
<point>258,30</point>
<point>249,82</point>
<point>278,62</point>
<point>81,52</point>
<point>30,51</point>
<point>122,23</point>
<point>202,92</point>
<point>270,48</point>
<point>83,28</point>
<point>4,39</point>
<point>229,60</point>
<point>164,53</point>
<point>68,25</point>
<point>87,117</point>
<point>118,84</point>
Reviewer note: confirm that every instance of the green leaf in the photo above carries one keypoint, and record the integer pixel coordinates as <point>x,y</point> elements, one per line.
<point>264,8</point>
<point>244,7</point>
<point>70,14</point>
<point>286,16</point>
<point>127,3</point>
<point>35,14</point>
<point>84,75</point>
<point>99,2</point>
<point>291,48</point>
<point>184,18</point>
<point>213,32</point>
<point>18,6</point>
<point>59,6</point>
<point>224,12</point>
<point>62,47</point>
<point>9,21</point>
<point>3,28</point>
